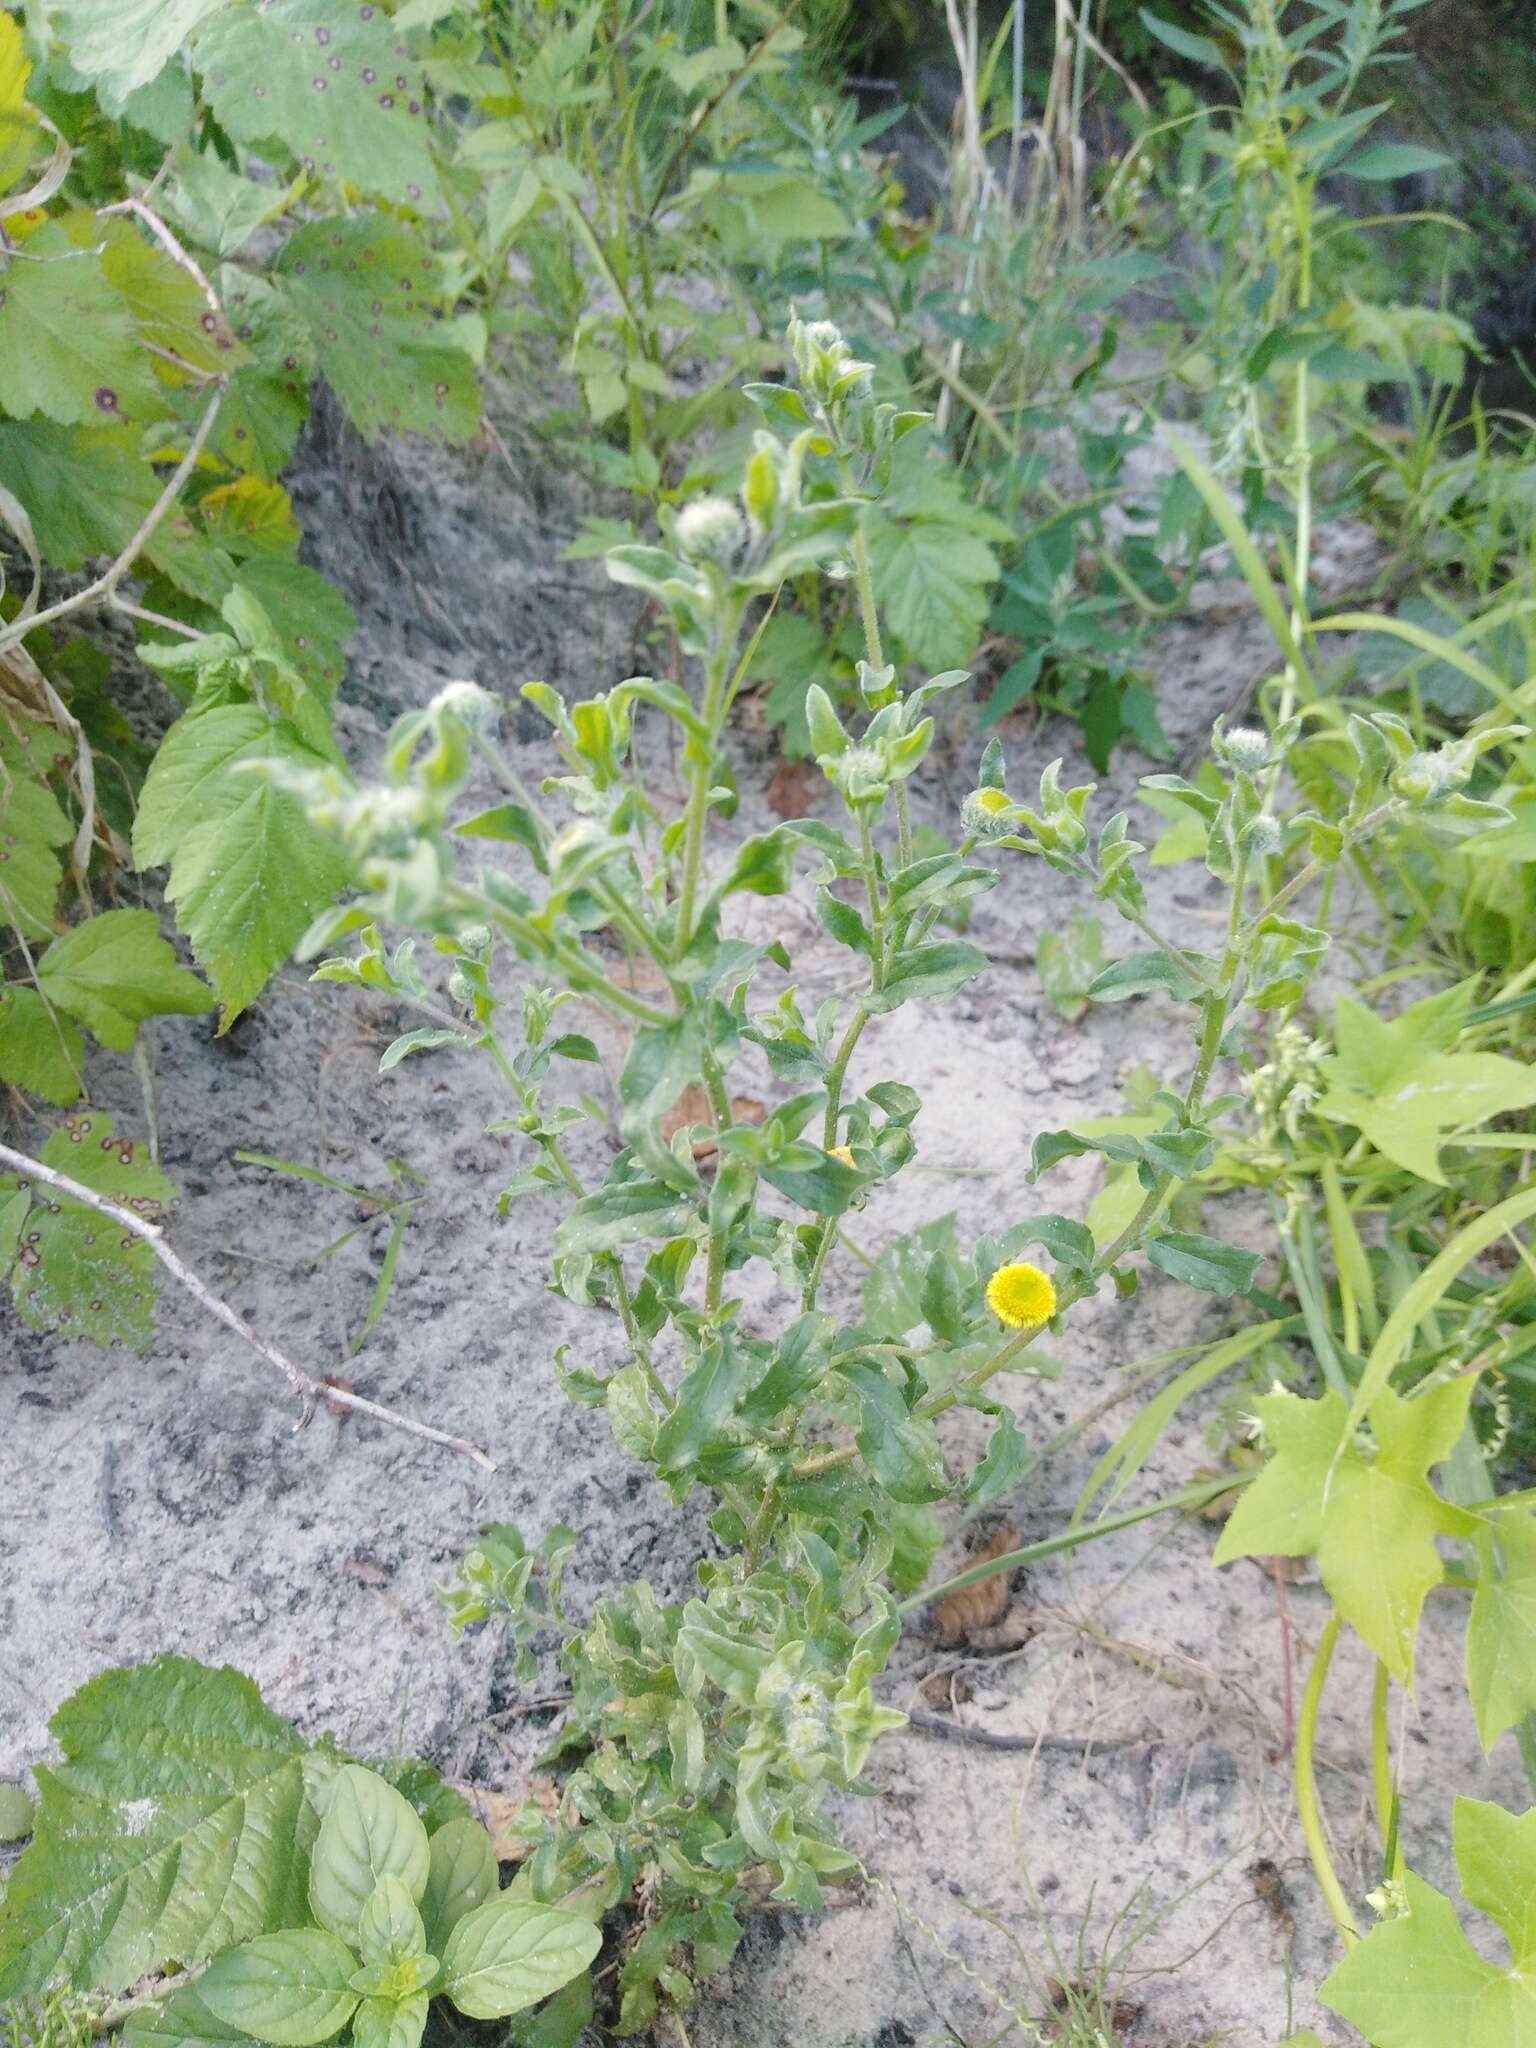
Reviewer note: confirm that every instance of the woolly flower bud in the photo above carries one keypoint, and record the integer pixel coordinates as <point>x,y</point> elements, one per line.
<point>476,938</point>
<point>468,703</point>
<point>1424,777</point>
<point>459,989</point>
<point>1244,746</point>
<point>1262,835</point>
<point>710,530</point>
<point>985,813</point>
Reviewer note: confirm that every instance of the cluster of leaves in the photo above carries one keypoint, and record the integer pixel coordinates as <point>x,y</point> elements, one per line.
<point>189,1829</point>
<point>703,1734</point>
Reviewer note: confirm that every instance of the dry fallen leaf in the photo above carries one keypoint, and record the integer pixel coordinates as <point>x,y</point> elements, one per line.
<point>959,1615</point>
<point>692,1107</point>
<point>500,1812</point>
<point>792,788</point>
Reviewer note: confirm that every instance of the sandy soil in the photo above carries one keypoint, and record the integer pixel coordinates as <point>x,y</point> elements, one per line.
<point>166,1503</point>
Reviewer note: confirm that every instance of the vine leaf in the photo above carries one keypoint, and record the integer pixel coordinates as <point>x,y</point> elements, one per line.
<point>370,296</point>
<point>1400,1084</point>
<point>336,85</point>
<point>1417,1982</point>
<point>72,1270</point>
<point>176,1825</point>
<point>248,870</point>
<point>1501,1629</point>
<point>115,970</point>
<point>1371,1520</point>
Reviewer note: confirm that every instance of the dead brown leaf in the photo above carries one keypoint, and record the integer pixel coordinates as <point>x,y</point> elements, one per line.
<point>692,1107</point>
<point>792,789</point>
<point>959,1615</point>
<point>501,1812</point>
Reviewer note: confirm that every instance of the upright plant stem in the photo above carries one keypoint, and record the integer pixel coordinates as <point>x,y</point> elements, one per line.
<point>716,673</point>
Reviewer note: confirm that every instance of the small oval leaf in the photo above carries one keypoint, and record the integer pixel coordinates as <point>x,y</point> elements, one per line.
<point>503,1957</point>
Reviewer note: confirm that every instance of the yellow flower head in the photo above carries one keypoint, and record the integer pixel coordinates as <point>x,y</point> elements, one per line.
<point>1021,1296</point>
<point>843,1152</point>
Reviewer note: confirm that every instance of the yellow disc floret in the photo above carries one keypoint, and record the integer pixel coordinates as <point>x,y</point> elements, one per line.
<point>1021,1296</point>
<point>843,1152</point>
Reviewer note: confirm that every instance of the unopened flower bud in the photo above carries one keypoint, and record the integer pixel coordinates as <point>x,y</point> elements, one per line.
<point>1427,776</point>
<point>468,703</point>
<point>986,813</point>
<point>1262,835</point>
<point>710,530</point>
<point>459,990</point>
<point>1245,747</point>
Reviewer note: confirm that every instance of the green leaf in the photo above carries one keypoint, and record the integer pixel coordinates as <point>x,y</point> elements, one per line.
<point>390,2022</point>
<point>389,1928</point>
<point>123,44</point>
<point>893,1287</point>
<point>289,1988</point>
<point>75,1271</point>
<point>502,1956</point>
<point>369,1832</point>
<point>334,84</point>
<point>1003,1466</point>
<point>461,1875</point>
<point>1399,1085</point>
<point>1138,973</point>
<point>1371,1520</point>
<point>175,1825</point>
<point>1069,962</point>
<point>929,971</point>
<point>1501,1629</point>
<point>249,873</point>
<point>370,294</point>
<point>290,611</point>
<point>1198,49</point>
<point>624,1213</point>
<point>1380,161</point>
<point>16,1814</point>
<point>69,348</point>
<point>1203,1262</point>
<point>180,2021</point>
<point>115,970</point>
<point>39,1050</point>
<point>932,584</point>
<point>1417,1982</point>
<point>900,1448</point>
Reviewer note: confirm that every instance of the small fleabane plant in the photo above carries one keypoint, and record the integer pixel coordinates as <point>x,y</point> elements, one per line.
<point>705,1734</point>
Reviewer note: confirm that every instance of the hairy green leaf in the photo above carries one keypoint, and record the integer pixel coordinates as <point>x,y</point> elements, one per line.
<point>176,1824</point>
<point>248,870</point>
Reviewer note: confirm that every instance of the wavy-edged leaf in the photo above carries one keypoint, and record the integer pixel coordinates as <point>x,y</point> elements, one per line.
<point>176,1824</point>
<point>336,85</point>
<point>249,872</point>
<point>115,970</point>
<point>371,296</point>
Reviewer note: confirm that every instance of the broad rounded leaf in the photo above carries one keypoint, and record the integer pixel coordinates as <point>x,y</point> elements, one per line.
<point>290,1988</point>
<point>389,1926</point>
<point>368,1832</point>
<point>502,1957</point>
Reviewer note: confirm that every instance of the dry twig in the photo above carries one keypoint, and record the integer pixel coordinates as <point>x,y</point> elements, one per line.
<point>304,1385</point>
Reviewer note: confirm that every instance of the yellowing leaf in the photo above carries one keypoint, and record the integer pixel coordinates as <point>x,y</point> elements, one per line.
<point>18,123</point>
<point>1371,1520</point>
